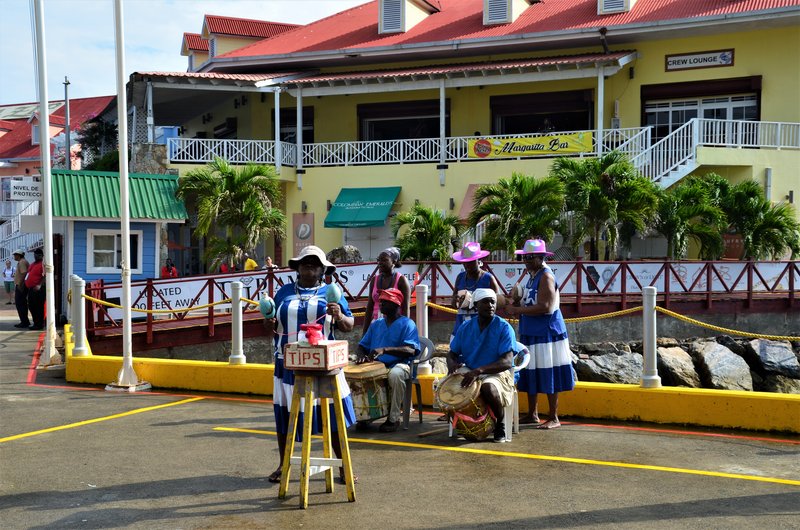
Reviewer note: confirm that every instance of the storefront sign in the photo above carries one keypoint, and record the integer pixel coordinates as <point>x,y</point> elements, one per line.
<point>303,231</point>
<point>688,61</point>
<point>534,146</point>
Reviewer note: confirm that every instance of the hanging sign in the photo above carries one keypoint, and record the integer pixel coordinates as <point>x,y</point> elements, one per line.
<point>582,142</point>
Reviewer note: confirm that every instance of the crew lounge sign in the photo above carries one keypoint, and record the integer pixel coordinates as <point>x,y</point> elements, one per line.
<point>711,59</point>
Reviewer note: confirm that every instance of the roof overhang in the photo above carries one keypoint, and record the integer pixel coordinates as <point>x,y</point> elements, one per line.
<point>178,95</point>
<point>462,75</point>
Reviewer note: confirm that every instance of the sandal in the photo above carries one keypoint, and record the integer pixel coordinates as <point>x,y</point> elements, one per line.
<point>275,477</point>
<point>341,479</point>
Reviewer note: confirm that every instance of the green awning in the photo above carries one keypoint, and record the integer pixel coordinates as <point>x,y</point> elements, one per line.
<point>361,207</point>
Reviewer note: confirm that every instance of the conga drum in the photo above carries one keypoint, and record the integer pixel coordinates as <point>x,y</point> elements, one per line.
<point>368,387</point>
<point>470,415</point>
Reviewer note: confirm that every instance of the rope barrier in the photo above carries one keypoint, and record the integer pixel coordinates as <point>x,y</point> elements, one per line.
<point>723,330</point>
<point>568,320</point>
<point>455,311</point>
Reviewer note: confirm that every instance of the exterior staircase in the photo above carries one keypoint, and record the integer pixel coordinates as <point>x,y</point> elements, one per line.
<point>11,237</point>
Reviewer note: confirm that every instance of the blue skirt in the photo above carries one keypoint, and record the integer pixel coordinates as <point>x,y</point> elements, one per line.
<point>550,368</point>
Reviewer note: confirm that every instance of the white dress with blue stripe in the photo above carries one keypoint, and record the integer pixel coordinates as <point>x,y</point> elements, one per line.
<point>297,306</point>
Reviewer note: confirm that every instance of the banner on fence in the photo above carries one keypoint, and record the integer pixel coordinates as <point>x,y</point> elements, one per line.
<point>582,142</point>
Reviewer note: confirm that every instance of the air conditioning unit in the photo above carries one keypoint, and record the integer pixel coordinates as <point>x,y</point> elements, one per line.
<point>608,7</point>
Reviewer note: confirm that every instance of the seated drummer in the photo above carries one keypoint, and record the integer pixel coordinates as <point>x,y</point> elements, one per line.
<point>394,341</point>
<point>483,349</point>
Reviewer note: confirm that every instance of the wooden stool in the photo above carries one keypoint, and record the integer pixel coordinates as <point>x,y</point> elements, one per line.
<point>304,384</point>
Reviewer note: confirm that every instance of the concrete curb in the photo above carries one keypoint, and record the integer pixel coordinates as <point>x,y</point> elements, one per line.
<point>760,411</point>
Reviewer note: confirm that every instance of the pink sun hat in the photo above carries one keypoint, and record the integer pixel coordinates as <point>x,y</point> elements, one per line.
<point>471,252</point>
<point>534,246</point>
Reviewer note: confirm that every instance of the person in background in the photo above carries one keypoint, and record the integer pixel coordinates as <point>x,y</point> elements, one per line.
<point>249,263</point>
<point>469,280</point>
<point>268,265</point>
<point>394,341</point>
<point>386,278</point>
<point>543,330</point>
<point>20,293</point>
<point>169,270</point>
<point>304,302</point>
<point>34,284</point>
<point>8,281</point>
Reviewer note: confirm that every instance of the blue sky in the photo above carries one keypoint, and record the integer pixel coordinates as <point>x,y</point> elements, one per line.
<point>79,38</point>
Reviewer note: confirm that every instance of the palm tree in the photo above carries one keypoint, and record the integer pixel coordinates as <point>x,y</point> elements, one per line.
<point>687,212</point>
<point>516,209</point>
<point>428,234</point>
<point>240,201</point>
<point>607,194</point>
<point>768,230</point>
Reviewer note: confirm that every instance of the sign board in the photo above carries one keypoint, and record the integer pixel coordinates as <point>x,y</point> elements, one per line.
<point>326,355</point>
<point>303,231</point>
<point>582,142</point>
<point>688,61</point>
<point>25,190</point>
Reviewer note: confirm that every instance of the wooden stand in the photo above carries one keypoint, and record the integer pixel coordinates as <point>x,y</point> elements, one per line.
<point>305,382</point>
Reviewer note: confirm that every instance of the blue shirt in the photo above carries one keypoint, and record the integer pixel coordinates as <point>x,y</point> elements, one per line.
<point>402,332</point>
<point>477,348</point>
<point>297,306</point>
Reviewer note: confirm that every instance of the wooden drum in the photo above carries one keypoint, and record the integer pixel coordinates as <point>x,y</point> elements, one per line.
<point>467,410</point>
<point>368,387</point>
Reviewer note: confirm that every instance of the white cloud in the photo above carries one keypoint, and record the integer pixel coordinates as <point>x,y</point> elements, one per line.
<point>79,37</point>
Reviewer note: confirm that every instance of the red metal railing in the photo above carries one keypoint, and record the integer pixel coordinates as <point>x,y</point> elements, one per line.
<point>587,288</point>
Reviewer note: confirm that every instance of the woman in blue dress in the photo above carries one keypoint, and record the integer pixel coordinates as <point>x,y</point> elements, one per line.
<point>471,278</point>
<point>304,302</point>
<point>543,330</point>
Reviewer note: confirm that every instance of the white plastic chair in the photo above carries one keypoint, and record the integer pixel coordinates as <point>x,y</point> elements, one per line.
<point>426,350</point>
<point>511,419</point>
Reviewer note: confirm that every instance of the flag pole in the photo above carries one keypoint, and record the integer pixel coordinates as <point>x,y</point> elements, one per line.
<point>127,380</point>
<point>50,356</point>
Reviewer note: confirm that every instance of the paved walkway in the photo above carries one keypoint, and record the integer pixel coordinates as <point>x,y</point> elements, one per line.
<point>78,457</point>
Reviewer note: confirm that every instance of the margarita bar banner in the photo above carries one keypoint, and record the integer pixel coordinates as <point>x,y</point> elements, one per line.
<point>582,142</point>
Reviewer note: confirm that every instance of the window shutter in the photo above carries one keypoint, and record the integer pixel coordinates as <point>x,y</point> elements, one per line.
<point>212,47</point>
<point>497,11</point>
<point>392,16</point>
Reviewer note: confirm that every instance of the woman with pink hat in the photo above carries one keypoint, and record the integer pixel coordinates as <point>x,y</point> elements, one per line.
<point>471,278</point>
<point>543,330</point>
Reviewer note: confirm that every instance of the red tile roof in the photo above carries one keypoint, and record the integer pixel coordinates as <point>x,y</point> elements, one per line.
<point>460,20</point>
<point>244,27</point>
<point>16,144</point>
<point>248,78</point>
<point>194,42</point>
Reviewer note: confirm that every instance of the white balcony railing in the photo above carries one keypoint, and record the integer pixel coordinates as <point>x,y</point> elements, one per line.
<point>655,160</point>
<point>403,151</point>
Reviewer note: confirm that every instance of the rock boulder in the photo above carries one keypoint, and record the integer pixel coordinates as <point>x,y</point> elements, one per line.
<point>719,367</point>
<point>676,368</point>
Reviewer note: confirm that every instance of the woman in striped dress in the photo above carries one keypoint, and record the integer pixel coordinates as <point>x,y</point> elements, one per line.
<point>543,331</point>
<point>304,302</point>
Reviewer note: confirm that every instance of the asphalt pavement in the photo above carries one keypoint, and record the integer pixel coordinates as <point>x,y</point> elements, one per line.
<point>75,456</point>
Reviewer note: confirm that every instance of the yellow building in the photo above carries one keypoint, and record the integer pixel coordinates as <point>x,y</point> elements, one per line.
<point>437,96</point>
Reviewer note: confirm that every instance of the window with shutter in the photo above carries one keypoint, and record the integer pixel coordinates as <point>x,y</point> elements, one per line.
<point>497,11</point>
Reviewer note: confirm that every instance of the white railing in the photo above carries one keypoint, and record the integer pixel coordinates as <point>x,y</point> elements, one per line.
<point>680,147</point>
<point>669,152</point>
<point>406,151</point>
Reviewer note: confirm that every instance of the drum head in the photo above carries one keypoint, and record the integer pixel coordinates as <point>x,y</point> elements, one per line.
<point>365,370</point>
<point>452,396</point>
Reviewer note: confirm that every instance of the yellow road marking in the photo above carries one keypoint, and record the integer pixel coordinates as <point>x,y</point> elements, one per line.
<point>96,420</point>
<point>566,459</point>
